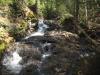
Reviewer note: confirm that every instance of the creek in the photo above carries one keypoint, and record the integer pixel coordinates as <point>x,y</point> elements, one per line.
<point>38,54</point>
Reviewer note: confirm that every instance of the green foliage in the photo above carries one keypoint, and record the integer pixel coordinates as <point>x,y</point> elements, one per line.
<point>49,13</point>
<point>31,2</point>
<point>2,32</point>
<point>32,17</point>
<point>5,2</point>
<point>5,39</point>
<point>64,17</point>
<point>2,47</point>
<point>19,31</point>
<point>56,8</point>
<point>15,10</point>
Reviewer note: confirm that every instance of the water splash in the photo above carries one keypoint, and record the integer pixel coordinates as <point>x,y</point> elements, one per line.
<point>12,62</point>
<point>46,50</point>
<point>45,55</point>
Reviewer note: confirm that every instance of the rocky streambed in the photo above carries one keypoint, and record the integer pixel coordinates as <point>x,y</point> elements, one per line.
<point>54,53</point>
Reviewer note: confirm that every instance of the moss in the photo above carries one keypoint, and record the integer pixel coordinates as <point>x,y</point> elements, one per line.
<point>2,47</point>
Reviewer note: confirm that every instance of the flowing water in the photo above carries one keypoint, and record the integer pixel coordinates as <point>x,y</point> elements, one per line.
<point>41,29</point>
<point>12,60</point>
<point>38,57</point>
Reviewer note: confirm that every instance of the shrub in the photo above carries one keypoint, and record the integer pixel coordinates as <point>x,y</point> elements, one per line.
<point>18,31</point>
<point>50,13</point>
<point>5,2</point>
<point>5,39</point>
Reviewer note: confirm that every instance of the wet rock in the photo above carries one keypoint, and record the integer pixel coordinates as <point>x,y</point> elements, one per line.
<point>53,25</point>
<point>56,53</point>
<point>30,70</point>
<point>28,54</point>
<point>69,25</point>
<point>90,66</point>
<point>64,52</point>
<point>39,39</point>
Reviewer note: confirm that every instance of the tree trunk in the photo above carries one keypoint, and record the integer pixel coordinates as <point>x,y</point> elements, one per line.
<point>76,14</point>
<point>86,12</point>
<point>77,10</point>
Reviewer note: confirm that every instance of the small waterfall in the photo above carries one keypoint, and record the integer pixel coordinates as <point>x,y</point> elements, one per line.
<point>41,29</point>
<point>12,61</point>
<point>33,59</point>
<point>46,50</point>
<point>46,47</point>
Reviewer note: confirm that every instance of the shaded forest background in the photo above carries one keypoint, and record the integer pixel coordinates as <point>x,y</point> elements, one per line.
<point>75,24</point>
<point>77,16</point>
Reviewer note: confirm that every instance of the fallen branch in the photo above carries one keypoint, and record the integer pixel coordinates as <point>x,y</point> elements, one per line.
<point>87,36</point>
